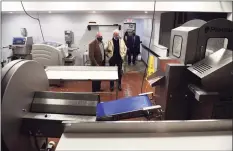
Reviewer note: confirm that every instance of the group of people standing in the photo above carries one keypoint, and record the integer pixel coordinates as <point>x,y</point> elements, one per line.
<point>116,50</point>
<point>132,42</point>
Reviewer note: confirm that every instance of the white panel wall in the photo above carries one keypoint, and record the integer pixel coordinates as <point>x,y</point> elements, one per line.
<point>197,6</point>
<point>229,17</point>
<point>160,50</point>
<point>147,30</point>
<point>54,25</point>
<point>140,27</point>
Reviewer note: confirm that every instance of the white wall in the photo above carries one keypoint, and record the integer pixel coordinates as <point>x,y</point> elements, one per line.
<point>229,17</point>
<point>160,50</point>
<point>148,27</point>
<point>54,25</point>
<point>196,6</point>
<point>139,27</point>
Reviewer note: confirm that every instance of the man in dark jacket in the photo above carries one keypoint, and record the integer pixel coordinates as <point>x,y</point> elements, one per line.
<point>97,57</point>
<point>133,43</point>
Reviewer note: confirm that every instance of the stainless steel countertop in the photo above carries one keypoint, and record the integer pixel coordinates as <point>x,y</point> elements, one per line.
<point>216,140</point>
<point>81,73</point>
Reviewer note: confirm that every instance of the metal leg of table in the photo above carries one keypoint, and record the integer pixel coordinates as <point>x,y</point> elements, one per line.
<point>117,89</point>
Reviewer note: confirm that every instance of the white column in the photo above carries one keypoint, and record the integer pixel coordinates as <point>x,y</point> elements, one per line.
<point>229,17</point>
<point>156,28</point>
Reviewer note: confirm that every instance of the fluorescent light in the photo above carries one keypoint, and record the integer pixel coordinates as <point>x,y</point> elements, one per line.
<point>93,11</point>
<point>50,12</point>
<point>146,12</point>
<point>10,12</point>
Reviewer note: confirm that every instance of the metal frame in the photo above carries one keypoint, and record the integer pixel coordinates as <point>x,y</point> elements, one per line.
<point>148,127</point>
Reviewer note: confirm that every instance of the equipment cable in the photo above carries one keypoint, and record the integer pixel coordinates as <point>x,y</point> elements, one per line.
<point>152,29</point>
<point>38,19</point>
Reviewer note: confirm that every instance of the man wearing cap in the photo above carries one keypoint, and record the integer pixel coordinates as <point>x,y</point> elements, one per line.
<point>116,51</point>
<point>97,57</point>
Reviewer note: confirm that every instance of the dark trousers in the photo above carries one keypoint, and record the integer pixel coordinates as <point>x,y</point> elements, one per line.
<point>96,85</point>
<point>131,53</point>
<point>118,62</point>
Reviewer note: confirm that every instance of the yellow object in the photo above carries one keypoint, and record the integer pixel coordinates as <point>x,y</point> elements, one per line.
<point>151,66</point>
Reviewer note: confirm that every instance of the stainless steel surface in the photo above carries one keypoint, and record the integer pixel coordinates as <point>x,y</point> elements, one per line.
<point>212,74</point>
<point>80,68</point>
<point>61,106</point>
<point>217,28</point>
<point>68,103</point>
<point>69,61</point>
<point>22,80</point>
<point>156,78</point>
<point>7,68</point>
<point>183,43</point>
<point>23,49</point>
<point>49,125</point>
<point>202,95</point>
<point>215,70</point>
<point>149,127</point>
<point>194,23</point>
<point>72,58</point>
<point>59,117</point>
<point>81,73</point>
<point>67,95</point>
<point>189,43</point>
<point>146,141</point>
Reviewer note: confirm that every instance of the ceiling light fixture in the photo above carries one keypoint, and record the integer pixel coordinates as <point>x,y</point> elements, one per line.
<point>50,12</point>
<point>146,12</point>
<point>10,12</point>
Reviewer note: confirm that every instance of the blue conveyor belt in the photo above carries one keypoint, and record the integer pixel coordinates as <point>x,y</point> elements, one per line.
<point>122,106</point>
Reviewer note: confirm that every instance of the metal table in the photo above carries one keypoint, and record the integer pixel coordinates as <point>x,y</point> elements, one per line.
<point>83,73</point>
<point>145,141</point>
<point>158,135</point>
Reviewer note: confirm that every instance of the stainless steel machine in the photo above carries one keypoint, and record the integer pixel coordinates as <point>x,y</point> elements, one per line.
<point>21,47</point>
<point>29,110</point>
<point>190,85</point>
<point>30,114</point>
<point>69,38</point>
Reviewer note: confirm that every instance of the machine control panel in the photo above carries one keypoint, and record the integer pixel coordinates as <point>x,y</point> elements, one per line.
<point>19,41</point>
<point>22,46</point>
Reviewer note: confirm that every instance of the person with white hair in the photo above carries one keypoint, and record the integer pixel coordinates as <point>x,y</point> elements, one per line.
<point>116,51</point>
<point>97,57</point>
